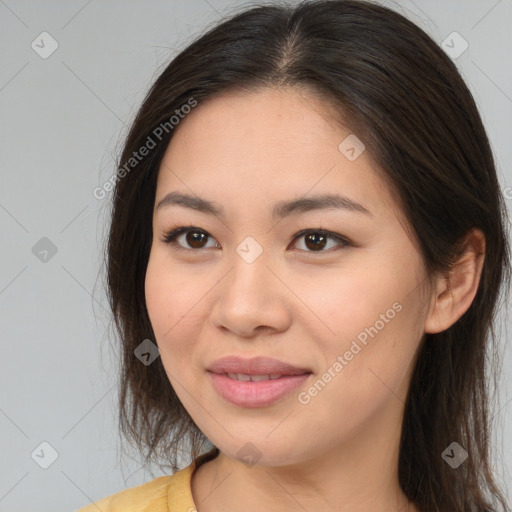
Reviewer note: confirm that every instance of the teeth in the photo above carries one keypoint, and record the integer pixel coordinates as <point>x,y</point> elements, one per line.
<point>260,377</point>
<point>256,378</point>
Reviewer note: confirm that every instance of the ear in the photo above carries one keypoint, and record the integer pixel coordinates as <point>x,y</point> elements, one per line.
<point>454,292</point>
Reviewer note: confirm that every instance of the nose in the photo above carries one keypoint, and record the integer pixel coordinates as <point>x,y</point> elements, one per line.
<point>252,298</point>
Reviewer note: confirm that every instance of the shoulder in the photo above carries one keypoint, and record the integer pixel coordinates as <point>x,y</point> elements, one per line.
<point>165,493</point>
<point>150,496</point>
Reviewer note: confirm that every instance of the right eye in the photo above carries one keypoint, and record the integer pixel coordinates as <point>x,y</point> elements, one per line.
<point>194,237</point>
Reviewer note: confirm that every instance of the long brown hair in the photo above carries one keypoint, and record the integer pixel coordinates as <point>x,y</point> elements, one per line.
<point>403,96</point>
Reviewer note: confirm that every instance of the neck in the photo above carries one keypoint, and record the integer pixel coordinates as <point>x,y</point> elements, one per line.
<point>359,475</point>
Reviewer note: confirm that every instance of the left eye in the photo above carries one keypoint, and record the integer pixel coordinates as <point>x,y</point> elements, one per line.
<point>315,240</point>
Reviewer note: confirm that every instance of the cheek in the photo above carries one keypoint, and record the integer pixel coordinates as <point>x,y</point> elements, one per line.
<point>342,304</point>
<point>361,378</point>
<point>374,319</point>
<point>173,307</point>
<point>169,295</point>
<point>177,315</point>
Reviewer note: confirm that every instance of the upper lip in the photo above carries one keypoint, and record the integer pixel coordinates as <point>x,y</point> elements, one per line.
<point>254,366</point>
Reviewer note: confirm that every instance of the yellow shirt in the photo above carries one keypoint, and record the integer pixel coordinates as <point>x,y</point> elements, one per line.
<point>170,493</point>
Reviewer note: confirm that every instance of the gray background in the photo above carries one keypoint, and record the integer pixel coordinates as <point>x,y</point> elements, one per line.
<point>62,121</point>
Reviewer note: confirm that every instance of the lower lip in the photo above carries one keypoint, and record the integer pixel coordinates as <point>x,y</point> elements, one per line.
<point>256,394</point>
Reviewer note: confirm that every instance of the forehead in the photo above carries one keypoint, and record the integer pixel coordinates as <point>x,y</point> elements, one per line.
<point>289,116</point>
<point>268,143</point>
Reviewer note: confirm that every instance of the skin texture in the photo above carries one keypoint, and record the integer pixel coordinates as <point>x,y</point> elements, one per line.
<point>305,306</point>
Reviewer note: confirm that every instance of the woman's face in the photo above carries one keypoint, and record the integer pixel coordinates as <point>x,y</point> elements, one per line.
<point>242,282</point>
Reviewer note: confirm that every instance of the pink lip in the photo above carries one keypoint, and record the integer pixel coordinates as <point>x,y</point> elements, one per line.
<point>254,366</point>
<point>255,394</point>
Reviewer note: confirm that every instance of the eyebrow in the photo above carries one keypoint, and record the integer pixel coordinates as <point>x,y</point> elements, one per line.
<point>281,209</point>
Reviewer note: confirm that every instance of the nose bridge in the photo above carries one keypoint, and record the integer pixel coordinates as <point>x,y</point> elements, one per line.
<point>250,261</point>
<point>250,287</point>
<point>250,297</point>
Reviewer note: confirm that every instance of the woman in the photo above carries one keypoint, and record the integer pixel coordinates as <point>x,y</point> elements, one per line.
<point>308,225</point>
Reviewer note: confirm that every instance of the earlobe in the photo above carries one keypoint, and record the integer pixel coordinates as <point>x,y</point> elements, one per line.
<point>455,290</point>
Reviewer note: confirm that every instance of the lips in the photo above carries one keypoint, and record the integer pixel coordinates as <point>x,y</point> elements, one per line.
<point>262,367</point>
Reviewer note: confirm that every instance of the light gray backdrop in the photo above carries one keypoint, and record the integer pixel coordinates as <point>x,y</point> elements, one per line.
<point>72,75</point>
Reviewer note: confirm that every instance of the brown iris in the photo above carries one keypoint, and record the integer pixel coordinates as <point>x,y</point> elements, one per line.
<point>195,238</point>
<point>317,241</point>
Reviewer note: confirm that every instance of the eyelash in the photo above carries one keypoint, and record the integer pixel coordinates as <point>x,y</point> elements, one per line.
<point>170,237</point>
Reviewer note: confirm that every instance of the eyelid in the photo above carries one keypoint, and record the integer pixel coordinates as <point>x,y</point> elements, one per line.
<point>170,237</point>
